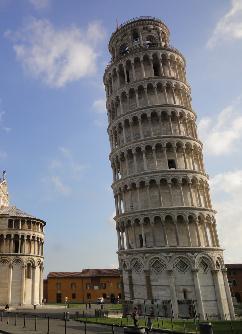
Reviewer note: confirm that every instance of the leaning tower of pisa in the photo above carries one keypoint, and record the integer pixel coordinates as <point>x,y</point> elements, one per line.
<point>168,246</point>
<point>21,254</point>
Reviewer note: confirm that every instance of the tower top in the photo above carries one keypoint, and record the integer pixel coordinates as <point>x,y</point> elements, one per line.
<point>4,199</point>
<point>139,30</point>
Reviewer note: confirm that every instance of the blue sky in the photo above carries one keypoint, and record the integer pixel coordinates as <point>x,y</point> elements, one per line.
<point>53,139</point>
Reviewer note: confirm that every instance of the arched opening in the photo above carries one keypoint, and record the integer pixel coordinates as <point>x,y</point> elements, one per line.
<point>184,291</point>
<point>151,41</point>
<point>156,65</point>
<point>29,271</point>
<point>135,36</point>
<point>123,49</point>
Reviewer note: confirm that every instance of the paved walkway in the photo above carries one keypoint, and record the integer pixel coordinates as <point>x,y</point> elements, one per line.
<point>56,326</point>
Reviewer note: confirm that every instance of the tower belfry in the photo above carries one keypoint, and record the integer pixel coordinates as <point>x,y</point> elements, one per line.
<point>168,245</point>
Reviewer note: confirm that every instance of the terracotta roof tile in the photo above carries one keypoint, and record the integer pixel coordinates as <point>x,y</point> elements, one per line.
<point>13,211</point>
<point>84,273</point>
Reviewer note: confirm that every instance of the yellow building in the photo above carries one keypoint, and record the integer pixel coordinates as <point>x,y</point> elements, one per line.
<point>83,287</point>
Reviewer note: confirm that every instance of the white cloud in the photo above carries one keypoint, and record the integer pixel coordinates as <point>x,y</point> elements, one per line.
<point>227,192</point>
<point>57,56</point>
<point>2,113</point>
<point>59,185</point>
<point>100,106</point>
<point>40,4</point>
<point>221,133</point>
<point>63,172</point>
<point>229,27</point>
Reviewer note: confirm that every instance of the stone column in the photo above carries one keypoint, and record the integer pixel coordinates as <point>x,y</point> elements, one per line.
<point>198,294</point>
<point>142,68</point>
<point>143,234</point>
<point>122,240</point>
<point>148,285</point>
<point>119,239</point>
<point>228,294</point>
<point>217,286</point>
<point>23,285</point>
<point>127,238</point>
<point>10,277</point>
<point>135,161</point>
<point>188,233</point>
<point>165,92</point>
<point>190,192</point>
<point>177,233</point>
<point>152,227</point>
<point>33,284</point>
<point>184,157</point>
<point>11,250</point>
<point>173,294</point>
<point>140,128</point>
<point>170,123</point>
<point>198,234</point>
<point>131,287</point>
<point>134,235</point>
<point>144,159</point>
<point>170,190</point>
<point>41,285</point>
<point>165,156</point>
<point>4,244</point>
<point>182,194</point>
<point>133,71</point>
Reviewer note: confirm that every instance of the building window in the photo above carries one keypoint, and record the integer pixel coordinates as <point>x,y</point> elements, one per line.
<point>88,286</point>
<point>234,282</point>
<point>96,287</point>
<point>88,296</point>
<point>238,298</point>
<point>73,286</point>
<point>184,294</point>
<point>171,164</point>
<point>28,271</point>
<point>73,296</point>
<point>16,246</point>
<point>58,286</point>
<point>103,286</point>
<point>10,223</point>
<point>58,297</point>
<point>119,285</point>
<point>141,243</point>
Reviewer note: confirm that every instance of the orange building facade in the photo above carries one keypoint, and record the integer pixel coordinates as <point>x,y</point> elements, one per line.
<point>234,272</point>
<point>83,287</point>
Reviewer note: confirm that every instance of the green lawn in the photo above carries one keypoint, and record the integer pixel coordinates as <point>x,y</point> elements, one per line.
<point>109,307</point>
<point>219,327</point>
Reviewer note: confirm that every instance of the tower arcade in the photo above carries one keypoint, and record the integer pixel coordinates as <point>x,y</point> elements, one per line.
<point>168,245</point>
<point>21,254</point>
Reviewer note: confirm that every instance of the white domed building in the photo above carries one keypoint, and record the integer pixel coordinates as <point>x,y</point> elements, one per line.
<point>21,254</point>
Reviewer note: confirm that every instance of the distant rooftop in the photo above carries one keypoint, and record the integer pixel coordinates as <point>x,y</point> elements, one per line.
<point>84,273</point>
<point>233,266</point>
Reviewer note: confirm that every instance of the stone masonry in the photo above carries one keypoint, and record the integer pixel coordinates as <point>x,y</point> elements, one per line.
<point>168,245</point>
<point>21,254</point>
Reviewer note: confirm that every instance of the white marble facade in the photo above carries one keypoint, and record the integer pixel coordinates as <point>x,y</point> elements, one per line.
<point>168,245</point>
<point>21,254</point>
